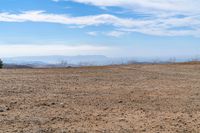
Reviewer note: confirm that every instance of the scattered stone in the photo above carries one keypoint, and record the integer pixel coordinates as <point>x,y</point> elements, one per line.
<point>120,101</point>
<point>4,109</point>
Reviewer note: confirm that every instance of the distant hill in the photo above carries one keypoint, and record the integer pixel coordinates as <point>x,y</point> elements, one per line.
<point>74,61</point>
<point>61,61</point>
<point>13,66</point>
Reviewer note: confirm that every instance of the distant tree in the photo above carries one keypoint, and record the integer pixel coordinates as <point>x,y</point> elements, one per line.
<point>63,63</point>
<point>132,62</point>
<point>1,64</point>
<point>195,59</point>
<point>172,60</point>
<point>156,61</point>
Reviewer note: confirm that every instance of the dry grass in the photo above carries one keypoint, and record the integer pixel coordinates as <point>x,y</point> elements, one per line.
<point>132,98</point>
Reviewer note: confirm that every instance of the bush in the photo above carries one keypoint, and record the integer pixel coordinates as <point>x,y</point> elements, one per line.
<point>1,64</point>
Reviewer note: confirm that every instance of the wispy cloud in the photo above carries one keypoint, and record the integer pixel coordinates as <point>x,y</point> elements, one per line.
<point>182,6</point>
<point>159,25</point>
<point>41,16</point>
<point>92,33</point>
<point>115,33</point>
<point>40,50</point>
<point>163,17</point>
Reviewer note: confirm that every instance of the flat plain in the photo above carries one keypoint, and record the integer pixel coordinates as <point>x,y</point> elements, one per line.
<point>109,99</point>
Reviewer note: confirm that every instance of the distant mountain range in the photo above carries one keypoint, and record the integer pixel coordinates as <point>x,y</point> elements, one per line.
<point>63,61</point>
<point>80,60</point>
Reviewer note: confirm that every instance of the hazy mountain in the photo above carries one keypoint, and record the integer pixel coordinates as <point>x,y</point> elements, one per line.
<point>80,60</point>
<point>39,61</point>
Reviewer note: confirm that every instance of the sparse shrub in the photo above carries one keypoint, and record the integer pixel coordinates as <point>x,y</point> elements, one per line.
<point>1,64</point>
<point>195,59</point>
<point>132,62</point>
<point>156,61</point>
<point>172,60</point>
<point>63,63</point>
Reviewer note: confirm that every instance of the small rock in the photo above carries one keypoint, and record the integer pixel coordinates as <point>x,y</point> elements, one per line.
<point>53,103</point>
<point>4,109</point>
<point>106,108</point>
<point>120,101</point>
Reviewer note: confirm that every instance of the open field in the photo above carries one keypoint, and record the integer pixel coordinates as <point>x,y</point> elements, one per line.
<point>111,99</point>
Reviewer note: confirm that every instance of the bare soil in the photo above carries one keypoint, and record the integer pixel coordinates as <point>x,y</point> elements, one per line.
<point>111,99</point>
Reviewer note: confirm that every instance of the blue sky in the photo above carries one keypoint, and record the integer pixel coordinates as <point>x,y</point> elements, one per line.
<point>115,28</point>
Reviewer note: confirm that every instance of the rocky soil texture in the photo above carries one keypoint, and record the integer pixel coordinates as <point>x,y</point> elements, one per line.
<point>111,99</point>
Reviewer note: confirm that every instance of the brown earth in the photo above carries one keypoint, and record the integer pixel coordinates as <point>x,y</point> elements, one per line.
<point>112,99</point>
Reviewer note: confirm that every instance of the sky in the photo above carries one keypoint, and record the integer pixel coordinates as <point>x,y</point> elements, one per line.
<point>114,28</point>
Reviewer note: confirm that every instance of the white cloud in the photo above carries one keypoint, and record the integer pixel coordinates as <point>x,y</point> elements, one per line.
<point>41,16</point>
<point>184,6</point>
<point>92,33</point>
<point>40,50</point>
<point>115,33</point>
<point>109,33</point>
<point>169,25</point>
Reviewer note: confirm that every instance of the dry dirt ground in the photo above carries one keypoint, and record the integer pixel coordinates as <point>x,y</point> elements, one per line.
<point>112,99</point>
